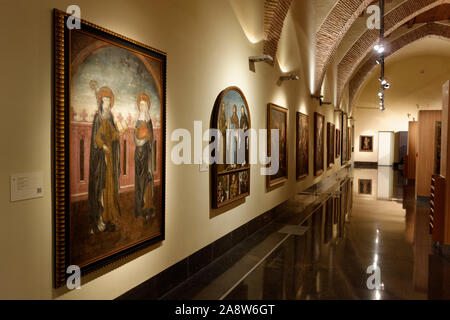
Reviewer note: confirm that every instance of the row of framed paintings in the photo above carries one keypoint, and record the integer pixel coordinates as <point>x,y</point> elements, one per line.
<point>110,146</point>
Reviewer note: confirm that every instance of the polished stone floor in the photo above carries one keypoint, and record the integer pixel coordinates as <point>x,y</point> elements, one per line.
<point>381,250</point>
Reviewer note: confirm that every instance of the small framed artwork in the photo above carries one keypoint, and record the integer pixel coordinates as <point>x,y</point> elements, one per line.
<point>110,124</point>
<point>319,140</point>
<point>338,143</point>
<point>366,143</point>
<point>344,139</point>
<point>277,120</point>
<point>365,186</point>
<point>231,171</point>
<point>302,143</point>
<point>330,144</point>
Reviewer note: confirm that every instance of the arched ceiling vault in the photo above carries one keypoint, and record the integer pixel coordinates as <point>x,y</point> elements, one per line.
<point>363,46</point>
<point>336,24</point>
<point>427,30</point>
<point>331,32</point>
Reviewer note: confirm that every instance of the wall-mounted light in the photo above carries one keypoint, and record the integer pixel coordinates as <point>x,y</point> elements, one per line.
<point>261,58</point>
<point>320,98</point>
<point>289,77</point>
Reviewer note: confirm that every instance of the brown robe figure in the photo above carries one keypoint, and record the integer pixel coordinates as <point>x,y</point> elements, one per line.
<point>104,166</point>
<point>223,131</point>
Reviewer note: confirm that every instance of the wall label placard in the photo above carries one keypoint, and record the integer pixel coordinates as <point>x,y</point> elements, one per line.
<point>26,186</point>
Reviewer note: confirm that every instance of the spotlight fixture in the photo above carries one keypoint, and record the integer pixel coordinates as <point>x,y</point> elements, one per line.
<point>289,77</point>
<point>320,98</point>
<point>261,58</point>
<point>380,49</point>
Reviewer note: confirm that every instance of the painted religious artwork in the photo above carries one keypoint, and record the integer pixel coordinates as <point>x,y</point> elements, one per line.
<point>223,189</point>
<point>231,170</point>
<point>277,120</point>
<point>366,143</point>
<point>344,139</point>
<point>302,144</point>
<point>338,143</point>
<point>330,144</point>
<point>243,182</point>
<point>365,186</point>
<point>319,141</point>
<point>109,146</point>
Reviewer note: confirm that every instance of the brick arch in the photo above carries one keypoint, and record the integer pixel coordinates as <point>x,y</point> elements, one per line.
<point>275,12</point>
<point>429,30</point>
<point>331,32</point>
<point>362,47</point>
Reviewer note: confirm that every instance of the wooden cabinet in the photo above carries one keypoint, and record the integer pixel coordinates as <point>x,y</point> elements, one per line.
<point>437,208</point>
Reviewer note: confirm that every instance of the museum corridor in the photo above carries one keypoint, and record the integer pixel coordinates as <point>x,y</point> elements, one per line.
<point>385,228</point>
<point>196,151</point>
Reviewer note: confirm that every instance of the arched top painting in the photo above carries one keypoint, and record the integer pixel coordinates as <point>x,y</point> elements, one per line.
<point>109,146</point>
<point>231,168</point>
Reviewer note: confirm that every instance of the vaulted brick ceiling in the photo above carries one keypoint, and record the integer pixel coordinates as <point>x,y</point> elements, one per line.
<point>275,12</point>
<point>427,30</point>
<point>363,46</point>
<point>334,28</point>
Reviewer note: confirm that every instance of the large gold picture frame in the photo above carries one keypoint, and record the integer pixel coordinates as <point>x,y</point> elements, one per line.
<point>109,146</point>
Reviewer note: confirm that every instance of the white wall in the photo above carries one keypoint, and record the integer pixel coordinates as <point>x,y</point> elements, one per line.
<point>208,45</point>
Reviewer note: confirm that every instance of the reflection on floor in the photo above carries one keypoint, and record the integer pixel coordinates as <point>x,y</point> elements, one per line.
<point>335,257</point>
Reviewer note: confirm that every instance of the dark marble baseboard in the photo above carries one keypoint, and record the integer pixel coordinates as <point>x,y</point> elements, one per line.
<point>366,165</point>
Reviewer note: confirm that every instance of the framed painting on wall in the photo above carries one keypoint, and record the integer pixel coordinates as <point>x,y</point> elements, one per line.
<point>338,143</point>
<point>319,140</point>
<point>302,144</point>
<point>344,139</point>
<point>231,170</point>
<point>366,143</point>
<point>330,144</point>
<point>277,120</point>
<point>110,122</point>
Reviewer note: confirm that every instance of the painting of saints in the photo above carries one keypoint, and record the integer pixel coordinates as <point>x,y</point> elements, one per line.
<point>243,182</point>
<point>234,186</point>
<point>222,189</point>
<point>104,166</point>
<point>319,151</point>
<point>234,136</point>
<point>223,131</point>
<point>277,122</point>
<point>302,145</point>
<point>244,126</point>
<point>143,157</point>
<point>231,118</point>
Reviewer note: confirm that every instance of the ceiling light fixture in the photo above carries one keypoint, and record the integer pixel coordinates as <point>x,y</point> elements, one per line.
<point>379,48</point>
